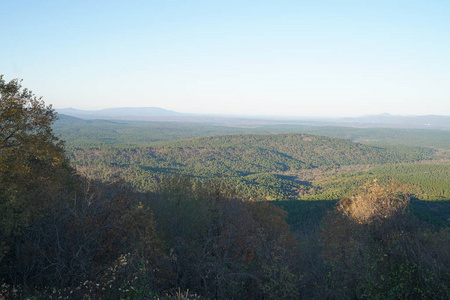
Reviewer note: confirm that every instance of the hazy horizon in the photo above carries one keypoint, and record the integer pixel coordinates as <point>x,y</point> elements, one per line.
<point>244,58</point>
<point>293,117</point>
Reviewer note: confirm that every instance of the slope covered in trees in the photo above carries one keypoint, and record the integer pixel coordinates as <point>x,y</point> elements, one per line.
<point>273,166</point>
<point>310,151</point>
<point>247,154</point>
<point>375,246</point>
<point>66,236</point>
<point>131,150</point>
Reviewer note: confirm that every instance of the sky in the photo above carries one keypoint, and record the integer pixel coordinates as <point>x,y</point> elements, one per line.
<point>286,58</point>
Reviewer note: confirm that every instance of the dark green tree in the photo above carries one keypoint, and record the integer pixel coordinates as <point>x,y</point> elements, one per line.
<point>57,228</point>
<point>33,167</point>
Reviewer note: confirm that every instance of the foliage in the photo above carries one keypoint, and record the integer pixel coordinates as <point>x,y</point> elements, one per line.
<point>186,219</point>
<point>428,181</point>
<point>81,236</point>
<point>57,228</point>
<point>262,166</point>
<point>218,242</point>
<point>266,166</point>
<point>33,167</point>
<point>376,249</point>
<point>374,202</point>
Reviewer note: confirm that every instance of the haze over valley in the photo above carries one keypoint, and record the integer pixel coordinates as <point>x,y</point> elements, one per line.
<point>160,114</point>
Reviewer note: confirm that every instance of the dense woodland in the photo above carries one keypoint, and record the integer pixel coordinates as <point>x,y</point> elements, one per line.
<point>87,133</point>
<point>194,211</point>
<point>270,166</point>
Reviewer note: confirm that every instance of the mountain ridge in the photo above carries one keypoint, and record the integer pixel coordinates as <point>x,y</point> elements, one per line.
<point>120,113</point>
<point>386,120</point>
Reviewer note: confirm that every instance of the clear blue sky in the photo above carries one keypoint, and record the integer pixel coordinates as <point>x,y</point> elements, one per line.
<point>296,58</point>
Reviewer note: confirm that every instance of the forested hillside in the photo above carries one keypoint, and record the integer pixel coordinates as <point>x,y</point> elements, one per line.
<point>268,166</point>
<point>187,219</point>
<point>237,155</point>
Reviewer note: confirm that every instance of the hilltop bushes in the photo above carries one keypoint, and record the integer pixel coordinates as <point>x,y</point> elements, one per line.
<point>376,249</point>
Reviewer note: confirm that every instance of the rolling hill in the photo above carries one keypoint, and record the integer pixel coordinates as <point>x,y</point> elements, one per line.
<point>245,154</point>
<point>270,165</point>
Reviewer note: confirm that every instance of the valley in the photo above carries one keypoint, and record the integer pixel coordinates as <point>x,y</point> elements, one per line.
<point>269,162</point>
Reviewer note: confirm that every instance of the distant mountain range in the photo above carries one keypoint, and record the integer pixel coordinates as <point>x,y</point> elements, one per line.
<point>160,114</point>
<point>135,113</point>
